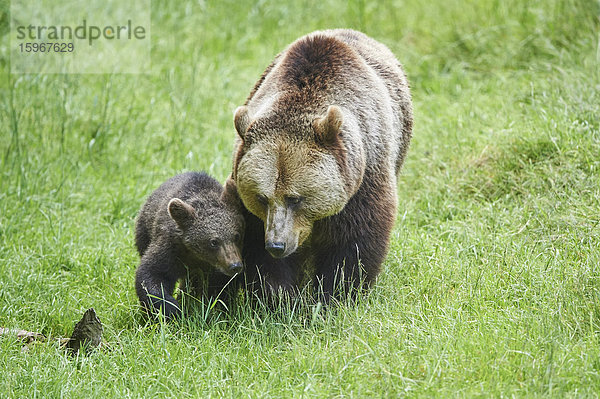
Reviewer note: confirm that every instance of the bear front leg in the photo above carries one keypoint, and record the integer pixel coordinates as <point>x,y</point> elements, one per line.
<point>266,276</point>
<point>349,248</point>
<point>269,277</point>
<point>155,281</point>
<point>277,278</point>
<point>343,271</point>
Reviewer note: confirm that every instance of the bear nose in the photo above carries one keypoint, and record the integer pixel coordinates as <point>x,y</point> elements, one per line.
<point>276,249</point>
<point>236,267</point>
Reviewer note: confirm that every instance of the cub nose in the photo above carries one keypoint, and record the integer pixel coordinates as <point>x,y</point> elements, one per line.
<point>276,249</point>
<point>236,267</point>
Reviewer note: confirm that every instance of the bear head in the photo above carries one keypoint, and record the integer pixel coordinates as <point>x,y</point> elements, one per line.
<point>291,171</point>
<point>212,229</point>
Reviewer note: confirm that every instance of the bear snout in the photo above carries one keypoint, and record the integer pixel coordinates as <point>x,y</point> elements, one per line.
<point>229,259</point>
<point>276,249</point>
<point>236,267</point>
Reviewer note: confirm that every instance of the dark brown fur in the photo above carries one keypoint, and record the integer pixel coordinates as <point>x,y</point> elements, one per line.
<point>176,239</point>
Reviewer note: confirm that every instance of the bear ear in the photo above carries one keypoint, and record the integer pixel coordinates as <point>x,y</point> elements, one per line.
<point>183,214</point>
<point>327,127</point>
<point>241,119</point>
<point>230,194</point>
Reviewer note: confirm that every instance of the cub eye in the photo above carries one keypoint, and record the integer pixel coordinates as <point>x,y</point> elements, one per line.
<point>262,199</point>
<point>293,201</point>
<point>237,237</point>
<point>214,243</point>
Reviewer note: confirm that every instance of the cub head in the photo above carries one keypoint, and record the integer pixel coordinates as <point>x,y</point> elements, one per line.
<point>212,230</point>
<point>291,174</point>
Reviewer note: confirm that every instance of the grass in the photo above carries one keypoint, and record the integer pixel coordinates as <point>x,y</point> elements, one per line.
<point>492,283</point>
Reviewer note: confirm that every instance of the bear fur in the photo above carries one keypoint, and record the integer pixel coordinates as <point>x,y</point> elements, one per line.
<point>188,223</point>
<point>322,138</point>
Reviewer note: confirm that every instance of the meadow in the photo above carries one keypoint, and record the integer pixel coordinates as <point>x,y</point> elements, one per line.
<point>492,283</point>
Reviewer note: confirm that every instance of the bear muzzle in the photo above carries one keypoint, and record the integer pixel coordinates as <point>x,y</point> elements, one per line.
<point>236,267</point>
<point>275,248</point>
<point>231,269</point>
<point>229,260</point>
<point>280,239</point>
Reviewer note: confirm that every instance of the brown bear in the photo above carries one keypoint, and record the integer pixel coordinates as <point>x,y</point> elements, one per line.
<point>188,223</point>
<point>322,137</point>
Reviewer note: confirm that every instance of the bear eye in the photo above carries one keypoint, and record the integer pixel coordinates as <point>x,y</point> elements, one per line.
<point>293,200</point>
<point>214,243</point>
<point>262,199</point>
<point>237,237</point>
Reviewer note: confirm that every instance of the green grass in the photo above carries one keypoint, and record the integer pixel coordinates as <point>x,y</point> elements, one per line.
<point>492,283</point>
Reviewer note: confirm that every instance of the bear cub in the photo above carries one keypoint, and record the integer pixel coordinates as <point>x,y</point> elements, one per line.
<point>189,224</point>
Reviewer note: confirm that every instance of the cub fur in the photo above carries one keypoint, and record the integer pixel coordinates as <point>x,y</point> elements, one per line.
<point>189,222</point>
<point>322,138</point>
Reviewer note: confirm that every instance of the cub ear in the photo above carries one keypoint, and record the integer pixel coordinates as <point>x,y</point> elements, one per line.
<point>230,193</point>
<point>183,214</point>
<point>241,119</point>
<point>327,127</point>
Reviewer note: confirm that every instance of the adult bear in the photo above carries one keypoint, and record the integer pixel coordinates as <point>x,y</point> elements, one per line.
<point>322,137</point>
